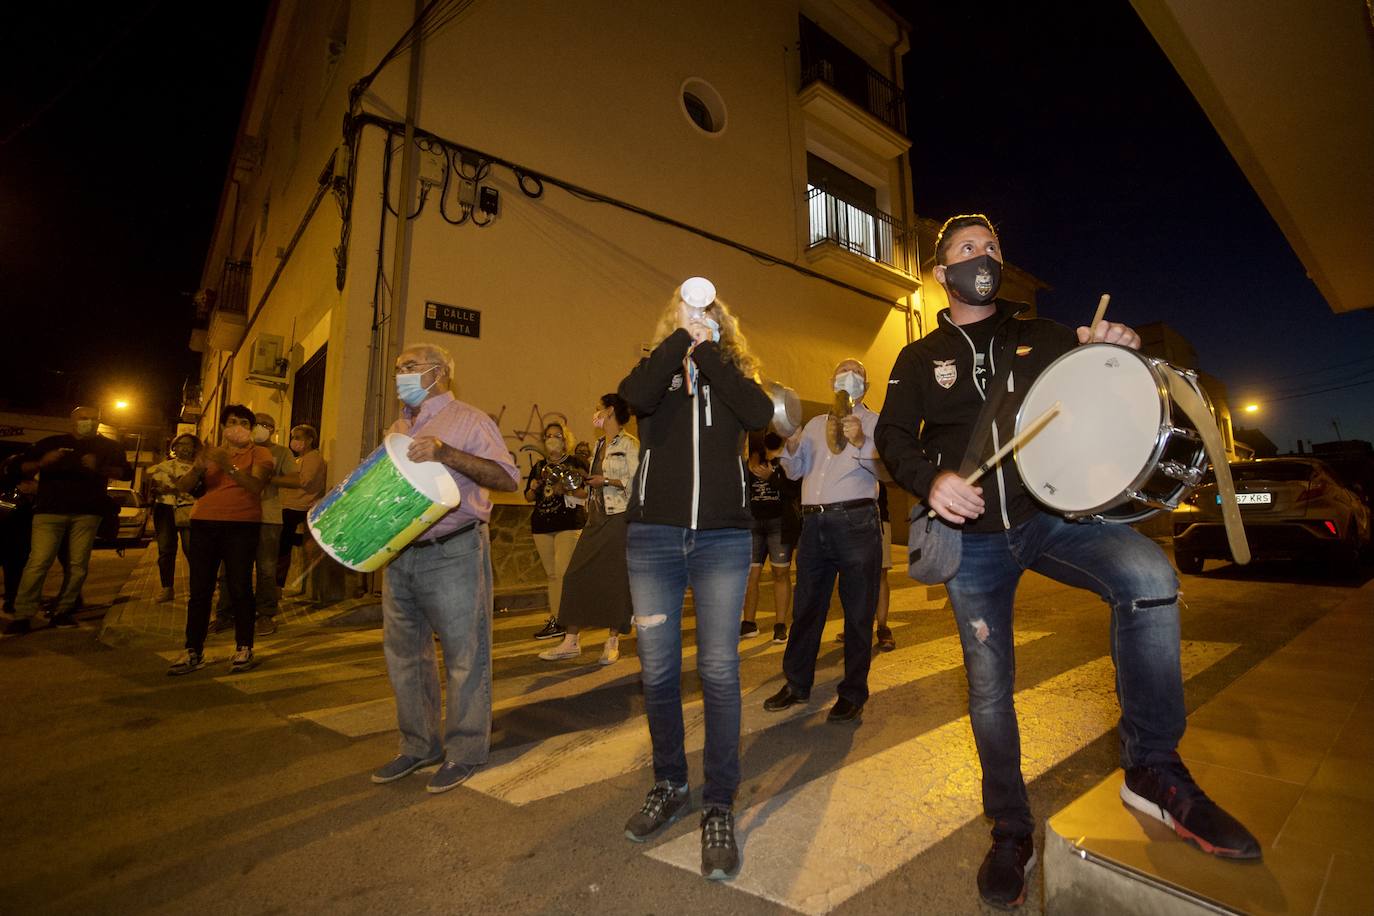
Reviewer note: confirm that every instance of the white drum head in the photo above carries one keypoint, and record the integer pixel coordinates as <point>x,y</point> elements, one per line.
<point>429,477</point>
<point>1105,434</point>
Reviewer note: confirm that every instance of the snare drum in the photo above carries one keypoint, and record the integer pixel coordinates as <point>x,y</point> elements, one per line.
<point>1119,450</point>
<point>387,502</point>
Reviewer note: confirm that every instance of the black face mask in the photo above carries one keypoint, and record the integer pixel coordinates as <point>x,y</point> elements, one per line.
<point>975,281</point>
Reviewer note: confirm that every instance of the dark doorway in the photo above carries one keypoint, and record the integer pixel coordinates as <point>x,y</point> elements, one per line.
<point>307,392</point>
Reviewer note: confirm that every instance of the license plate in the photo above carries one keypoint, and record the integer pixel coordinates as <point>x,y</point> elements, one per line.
<point>1251,499</point>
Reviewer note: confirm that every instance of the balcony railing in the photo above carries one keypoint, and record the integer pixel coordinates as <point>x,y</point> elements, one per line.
<point>862,85</point>
<point>233,287</point>
<point>874,235</point>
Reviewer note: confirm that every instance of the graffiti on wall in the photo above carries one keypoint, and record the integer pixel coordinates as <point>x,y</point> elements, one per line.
<point>526,443</point>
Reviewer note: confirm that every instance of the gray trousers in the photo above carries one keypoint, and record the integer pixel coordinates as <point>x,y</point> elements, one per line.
<point>443,589</point>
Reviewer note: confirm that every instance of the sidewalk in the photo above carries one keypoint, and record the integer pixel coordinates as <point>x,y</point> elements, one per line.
<point>137,617</point>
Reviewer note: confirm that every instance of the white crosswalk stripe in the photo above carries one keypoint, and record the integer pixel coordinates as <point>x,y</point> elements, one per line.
<point>555,765</point>
<point>816,846</point>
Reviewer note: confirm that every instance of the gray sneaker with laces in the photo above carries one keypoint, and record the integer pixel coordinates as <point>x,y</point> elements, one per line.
<point>719,853</point>
<point>664,804</point>
<point>191,661</point>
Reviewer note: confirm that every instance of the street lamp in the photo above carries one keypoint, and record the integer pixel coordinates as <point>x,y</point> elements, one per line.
<point>1252,408</point>
<point>121,404</point>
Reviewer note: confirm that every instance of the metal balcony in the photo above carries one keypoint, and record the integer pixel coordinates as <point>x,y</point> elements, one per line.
<point>873,235</point>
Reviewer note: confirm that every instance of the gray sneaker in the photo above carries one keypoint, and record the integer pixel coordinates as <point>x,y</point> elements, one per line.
<point>450,776</point>
<point>243,660</point>
<point>719,853</point>
<point>664,804</point>
<point>191,661</point>
<point>402,766</point>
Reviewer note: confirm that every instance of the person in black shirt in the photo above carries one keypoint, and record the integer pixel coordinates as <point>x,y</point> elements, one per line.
<point>558,516</point>
<point>775,502</point>
<point>73,473</point>
<point>980,348</point>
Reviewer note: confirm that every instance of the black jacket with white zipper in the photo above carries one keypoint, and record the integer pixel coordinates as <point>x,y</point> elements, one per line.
<point>691,470</point>
<point>933,403</point>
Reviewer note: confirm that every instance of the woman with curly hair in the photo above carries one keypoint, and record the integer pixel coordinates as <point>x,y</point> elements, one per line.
<point>689,526</point>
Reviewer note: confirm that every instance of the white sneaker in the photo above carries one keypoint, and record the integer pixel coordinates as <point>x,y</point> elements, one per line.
<point>563,650</point>
<point>611,654</point>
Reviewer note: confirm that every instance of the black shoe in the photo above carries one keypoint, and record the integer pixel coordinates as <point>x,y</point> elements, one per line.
<point>221,624</point>
<point>1167,792</point>
<point>719,854</point>
<point>265,625</point>
<point>65,621</point>
<point>552,630</point>
<point>748,628</point>
<point>784,698</point>
<point>664,804</point>
<point>779,632</point>
<point>17,627</point>
<point>885,641</point>
<point>1002,876</point>
<point>844,711</point>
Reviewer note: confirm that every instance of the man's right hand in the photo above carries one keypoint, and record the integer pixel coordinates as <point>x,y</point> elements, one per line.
<point>52,457</point>
<point>954,500</point>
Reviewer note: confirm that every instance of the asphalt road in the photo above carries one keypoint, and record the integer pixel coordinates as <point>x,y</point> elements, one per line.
<point>126,791</point>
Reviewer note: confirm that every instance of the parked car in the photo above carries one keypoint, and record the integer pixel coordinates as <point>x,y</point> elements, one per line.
<point>1294,508</point>
<point>133,519</point>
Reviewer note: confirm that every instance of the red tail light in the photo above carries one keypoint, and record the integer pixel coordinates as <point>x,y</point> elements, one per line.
<point>1331,526</point>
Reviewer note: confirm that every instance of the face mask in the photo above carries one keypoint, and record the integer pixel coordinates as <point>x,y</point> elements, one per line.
<point>409,389</point>
<point>599,420</point>
<point>975,281</point>
<point>85,427</point>
<point>553,444</point>
<point>237,435</point>
<point>261,434</point>
<point>852,383</point>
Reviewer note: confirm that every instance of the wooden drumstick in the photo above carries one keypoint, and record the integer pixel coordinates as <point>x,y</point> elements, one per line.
<point>1101,311</point>
<point>1031,429</point>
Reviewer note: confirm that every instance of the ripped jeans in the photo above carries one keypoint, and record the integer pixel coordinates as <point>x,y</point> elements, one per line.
<point>663,561</point>
<point>1129,572</point>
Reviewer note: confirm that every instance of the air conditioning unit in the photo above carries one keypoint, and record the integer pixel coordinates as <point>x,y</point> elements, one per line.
<point>267,362</point>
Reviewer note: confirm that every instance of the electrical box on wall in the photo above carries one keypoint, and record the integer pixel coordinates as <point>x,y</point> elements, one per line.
<point>267,362</point>
<point>488,200</point>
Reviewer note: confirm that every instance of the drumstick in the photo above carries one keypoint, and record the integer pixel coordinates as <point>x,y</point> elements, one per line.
<point>1101,310</point>
<point>1031,429</point>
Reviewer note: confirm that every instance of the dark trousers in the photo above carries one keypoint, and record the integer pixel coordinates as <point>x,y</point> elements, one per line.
<point>236,545</point>
<point>847,544</point>
<point>16,533</point>
<point>291,521</point>
<point>167,534</point>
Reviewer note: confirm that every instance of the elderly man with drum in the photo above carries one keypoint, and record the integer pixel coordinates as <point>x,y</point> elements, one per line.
<point>442,583</point>
<point>932,422</point>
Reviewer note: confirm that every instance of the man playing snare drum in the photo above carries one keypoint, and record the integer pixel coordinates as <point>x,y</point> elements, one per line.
<point>934,398</point>
<point>441,584</point>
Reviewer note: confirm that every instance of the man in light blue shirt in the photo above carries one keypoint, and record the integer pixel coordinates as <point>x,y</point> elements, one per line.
<point>837,462</point>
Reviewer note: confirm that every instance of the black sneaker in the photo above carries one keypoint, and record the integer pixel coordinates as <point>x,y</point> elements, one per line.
<point>664,804</point>
<point>17,627</point>
<point>552,630</point>
<point>1002,876</point>
<point>748,628</point>
<point>885,641</point>
<point>1168,793</point>
<point>784,698</point>
<point>719,854</point>
<point>221,624</point>
<point>780,632</point>
<point>65,621</point>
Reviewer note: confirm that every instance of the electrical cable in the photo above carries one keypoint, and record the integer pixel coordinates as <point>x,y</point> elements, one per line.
<point>596,197</point>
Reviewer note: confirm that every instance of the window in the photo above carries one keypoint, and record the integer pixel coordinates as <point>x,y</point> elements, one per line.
<point>703,106</point>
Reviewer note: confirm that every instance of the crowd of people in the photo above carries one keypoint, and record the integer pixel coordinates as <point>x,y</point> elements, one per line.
<point>698,502</point>
<point>222,504</point>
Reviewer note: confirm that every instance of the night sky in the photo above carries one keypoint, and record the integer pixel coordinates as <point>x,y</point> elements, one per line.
<point>1070,129</point>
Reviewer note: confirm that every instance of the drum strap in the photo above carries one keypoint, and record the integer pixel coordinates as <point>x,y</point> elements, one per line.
<point>1185,397</point>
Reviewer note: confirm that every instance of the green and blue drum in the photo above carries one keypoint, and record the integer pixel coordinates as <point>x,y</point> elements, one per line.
<point>386,503</point>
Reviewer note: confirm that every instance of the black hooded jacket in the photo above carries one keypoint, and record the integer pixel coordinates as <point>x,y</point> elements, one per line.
<point>691,467</point>
<point>933,402</point>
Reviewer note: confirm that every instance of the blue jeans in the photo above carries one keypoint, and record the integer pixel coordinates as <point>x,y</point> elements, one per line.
<point>663,561</point>
<point>49,528</point>
<point>167,534</point>
<point>1129,572</point>
<point>847,543</point>
<point>444,590</point>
